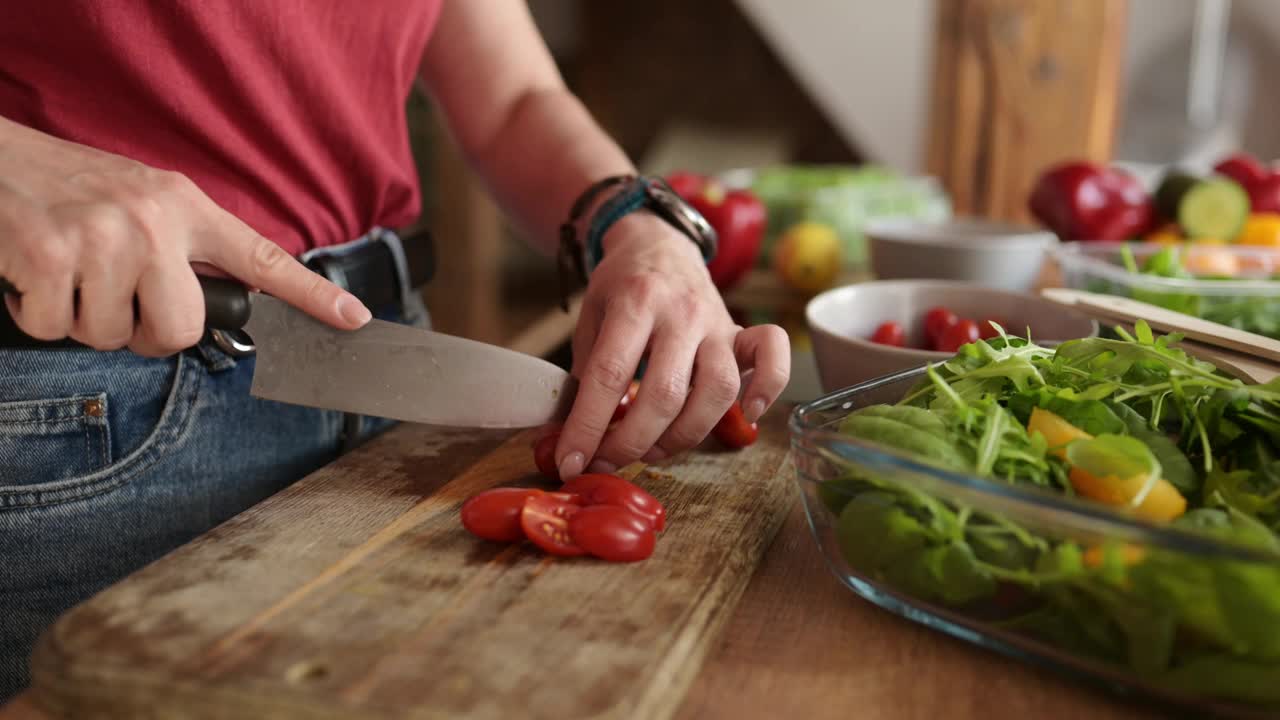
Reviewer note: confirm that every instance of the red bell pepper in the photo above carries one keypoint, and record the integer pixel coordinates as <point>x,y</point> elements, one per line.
<point>738,218</point>
<point>1243,168</point>
<point>1085,201</point>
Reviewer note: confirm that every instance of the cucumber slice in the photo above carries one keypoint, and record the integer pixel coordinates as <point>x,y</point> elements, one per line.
<point>1215,208</point>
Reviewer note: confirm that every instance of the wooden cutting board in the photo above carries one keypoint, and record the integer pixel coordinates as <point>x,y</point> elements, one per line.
<point>356,593</point>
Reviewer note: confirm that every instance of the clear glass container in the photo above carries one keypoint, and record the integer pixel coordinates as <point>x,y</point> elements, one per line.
<point>845,483</point>
<point>1248,300</point>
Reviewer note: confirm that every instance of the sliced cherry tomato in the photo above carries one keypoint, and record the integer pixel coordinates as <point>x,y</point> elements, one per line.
<point>545,520</point>
<point>612,533</point>
<point>890,333</point>
<point>987,331</point>
<point>733,429</point>
<point>605,489</point>
<point>625,403</point>
<point>962,333</point>
<point>495,514</point>
<point>544,455</point>
<point>936,321</point>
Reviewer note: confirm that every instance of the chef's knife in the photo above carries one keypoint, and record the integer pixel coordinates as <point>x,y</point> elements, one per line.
<point>385,369</point>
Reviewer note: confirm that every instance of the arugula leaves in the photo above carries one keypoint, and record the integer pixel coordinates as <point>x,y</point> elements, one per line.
<point>1153,412</point>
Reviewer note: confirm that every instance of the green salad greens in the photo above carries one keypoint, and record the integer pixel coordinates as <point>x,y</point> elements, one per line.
<point>1253,313</point>
<point>1130,422</point>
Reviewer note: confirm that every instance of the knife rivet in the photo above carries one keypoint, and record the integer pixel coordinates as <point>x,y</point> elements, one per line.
<point>93,408</point>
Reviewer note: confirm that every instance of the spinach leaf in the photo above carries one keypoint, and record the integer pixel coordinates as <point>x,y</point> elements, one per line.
<point>1226,676</point>
<point>898,435</point>
<point>1176,467</point>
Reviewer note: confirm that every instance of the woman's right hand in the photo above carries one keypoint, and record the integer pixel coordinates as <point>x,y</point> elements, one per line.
<point>73,218</point>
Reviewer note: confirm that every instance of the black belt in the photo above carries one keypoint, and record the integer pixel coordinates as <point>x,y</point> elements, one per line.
<point>379,270</point>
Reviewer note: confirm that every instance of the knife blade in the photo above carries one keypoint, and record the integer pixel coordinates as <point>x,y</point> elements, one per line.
<point>385,369</point>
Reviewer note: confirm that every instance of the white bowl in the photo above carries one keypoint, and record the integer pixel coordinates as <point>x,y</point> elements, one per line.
<point>842,319</point>
<point>991,254</point>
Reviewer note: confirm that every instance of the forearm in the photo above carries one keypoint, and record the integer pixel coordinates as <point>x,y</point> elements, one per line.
<point>544,155</point>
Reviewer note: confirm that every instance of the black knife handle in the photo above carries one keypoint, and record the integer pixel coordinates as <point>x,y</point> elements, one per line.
<point>226,302</point>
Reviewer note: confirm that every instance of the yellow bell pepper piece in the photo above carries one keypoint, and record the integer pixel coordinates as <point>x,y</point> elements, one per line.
<point>1167,235</point>
<point>1129,555</point>
<point>1262,230</point>
<point>1163,502</point>
<point>1058,432</point>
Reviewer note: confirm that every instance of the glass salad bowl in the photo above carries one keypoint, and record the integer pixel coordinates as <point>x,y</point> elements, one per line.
<point>1176,616</point>
<point>1234,285</point>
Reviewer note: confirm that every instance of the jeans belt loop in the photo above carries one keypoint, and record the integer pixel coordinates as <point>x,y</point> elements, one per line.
<point>237,345</point>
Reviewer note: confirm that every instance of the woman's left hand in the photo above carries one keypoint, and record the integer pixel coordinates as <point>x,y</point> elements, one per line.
<point>651,295</point>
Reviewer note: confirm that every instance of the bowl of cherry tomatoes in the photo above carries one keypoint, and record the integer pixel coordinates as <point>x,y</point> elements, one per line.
<point>869,330</point>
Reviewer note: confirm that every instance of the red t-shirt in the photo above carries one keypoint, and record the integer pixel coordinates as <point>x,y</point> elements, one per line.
<point>288,113</point>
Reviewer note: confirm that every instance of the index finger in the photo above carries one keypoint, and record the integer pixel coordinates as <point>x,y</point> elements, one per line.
<point>607,374</point>
<point>263,264</point>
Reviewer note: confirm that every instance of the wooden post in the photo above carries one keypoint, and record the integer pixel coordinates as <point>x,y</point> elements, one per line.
<point>1019,85</point>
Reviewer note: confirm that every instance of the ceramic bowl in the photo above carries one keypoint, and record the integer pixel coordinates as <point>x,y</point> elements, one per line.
<point>842,319</point>
<point>992,254</point>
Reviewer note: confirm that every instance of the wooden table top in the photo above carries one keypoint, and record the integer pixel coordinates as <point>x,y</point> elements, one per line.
<point>801,645</point>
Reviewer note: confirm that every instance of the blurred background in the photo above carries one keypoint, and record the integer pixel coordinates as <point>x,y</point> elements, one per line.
<point>848,110</point>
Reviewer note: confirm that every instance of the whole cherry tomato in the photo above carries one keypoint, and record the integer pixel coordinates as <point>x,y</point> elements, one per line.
<point>606,489</point>
<point>889,333</point>
<point>987,331</point>
<point>545,520</point>
<point>495,514</point>
<point>733,429</point>
<point>612,533</point>
<point>627,400</point>
<point>962,333</point>
<point>544,455</point>
<point>936,321</point>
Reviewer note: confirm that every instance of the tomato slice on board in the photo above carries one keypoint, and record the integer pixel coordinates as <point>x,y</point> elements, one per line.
<point>606,489</point>
<point>545,521</point>
<point>733,429</point>
<point>495,514</point>
<point>612,533</point>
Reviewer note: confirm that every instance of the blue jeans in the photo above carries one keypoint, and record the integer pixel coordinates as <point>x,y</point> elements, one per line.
<point>110,460</point>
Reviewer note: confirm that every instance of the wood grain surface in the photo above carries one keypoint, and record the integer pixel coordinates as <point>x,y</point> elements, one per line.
<point>1019,85</point>
<point>801,645</point>
<point>357,593</point>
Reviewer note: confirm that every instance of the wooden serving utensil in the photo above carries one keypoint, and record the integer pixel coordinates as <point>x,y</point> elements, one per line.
<point>1202,331</point>
<point>1249,356</point>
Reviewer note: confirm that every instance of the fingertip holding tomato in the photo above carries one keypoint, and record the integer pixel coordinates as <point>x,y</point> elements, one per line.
<point>733,430</point>
<point>612,533</point>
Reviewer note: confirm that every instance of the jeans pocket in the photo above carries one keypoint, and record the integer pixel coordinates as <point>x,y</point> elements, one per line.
<point>107,418</point>
<point>53,439</point>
